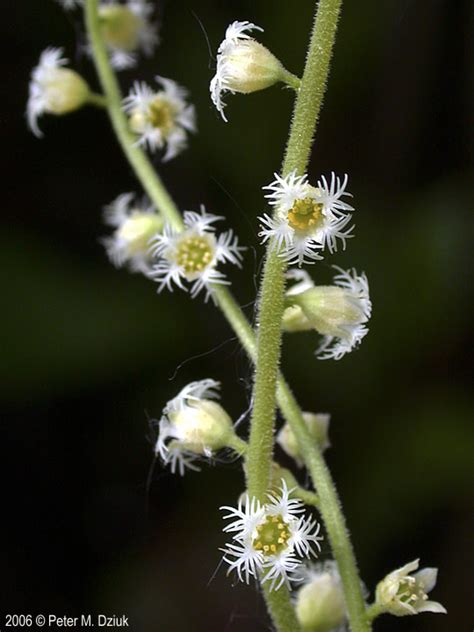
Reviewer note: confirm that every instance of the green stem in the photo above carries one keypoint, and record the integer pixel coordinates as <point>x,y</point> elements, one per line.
<point>291,80</point>
<point>238,445</point>
<point>374,611</point>
<point>97,99</point>
<point>136,157</point>
<point>305,118</point>
<point>330,508</point>
<point>282,611</point>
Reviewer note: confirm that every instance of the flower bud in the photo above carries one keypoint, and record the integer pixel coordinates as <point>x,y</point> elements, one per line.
<point>401,593</point>
<point>54,89</point>
<point>135,224</point>
<point>328,309</point>
<point>193,425</point>
<point>120,26</point>
<point>244,65</point>
<point>203,426</point>
<point>320,603</point>
<point>318,426</point>
<point>339,312</point>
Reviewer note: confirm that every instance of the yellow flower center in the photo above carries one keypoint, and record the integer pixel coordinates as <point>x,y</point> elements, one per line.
<point>272,535</point>
<point>305,214</point>
<point>161,114</point>
<point>194,254</point>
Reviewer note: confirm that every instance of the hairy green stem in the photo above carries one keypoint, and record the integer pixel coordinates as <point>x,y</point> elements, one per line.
<point>303,127</point>
<point>153,185</point>
<point>330,508</point>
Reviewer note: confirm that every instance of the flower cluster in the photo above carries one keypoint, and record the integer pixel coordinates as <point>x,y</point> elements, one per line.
<point>339,312</point>
<point>160,118</point>
<point>243,65</point>
<point>270,539</point>
<point>135,223</point>
<point>306,219</point>
<point>193,254</point>
<point>192,425</point>
<point>53,88</point>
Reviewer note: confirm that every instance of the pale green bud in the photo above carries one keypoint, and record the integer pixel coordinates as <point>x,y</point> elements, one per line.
<point>202,426</point>
<point>318,426</point>
<point>137,230</point>
<point>330,309</point>
<point>244,65</point>
<point>65,91</point>
<point>401,593</point>
<point>320,603</point>
<point>120,27</point>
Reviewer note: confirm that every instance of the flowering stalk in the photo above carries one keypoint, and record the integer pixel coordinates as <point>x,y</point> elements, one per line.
<point>281,607</point>
<point>138,160</point>
<point>306,112</point>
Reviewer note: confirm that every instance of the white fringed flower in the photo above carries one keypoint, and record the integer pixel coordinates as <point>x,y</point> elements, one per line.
<point>54,89</point>
<point>401,593</point>
<point>127,30</point>
<point>193,254</point>
<point>339,312</point>
<point>270,538</point>
<point>193,425</point>
<point>135,223</point>
<point>160,118</point>
<point>306,219</point>
<point>243,65</point>
<point>319,603</point>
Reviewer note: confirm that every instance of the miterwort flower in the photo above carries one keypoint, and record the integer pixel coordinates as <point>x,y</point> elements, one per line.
<point>270,539</point>
<point>127,29</point>
<point>318,427</point>
<point>193,425</point>
<point>401,593</point>
<point>306,219</point>
<point>193,254</point>
<point>54,89</point>
<point>319,603</point>
<point>339,312</point>
<point>135,223</point>
<point>160,118</point>
<point>244,65</point>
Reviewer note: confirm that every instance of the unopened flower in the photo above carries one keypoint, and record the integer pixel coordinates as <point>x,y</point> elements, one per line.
<point>270,539</point>
<point>135,223</point>
<point>401,593</point>
<point>306,219</point>
<point>339,312</point>
<point>192,255</point>
<point>193,425</point>
<point>318,427</point>
<point>54,89</point>
<point>319,604</point>
<point>127,30</point>
<point>244,65</point>
<point>160,118</point>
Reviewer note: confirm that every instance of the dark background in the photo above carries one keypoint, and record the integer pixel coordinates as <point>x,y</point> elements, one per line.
<point>90,353</point>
